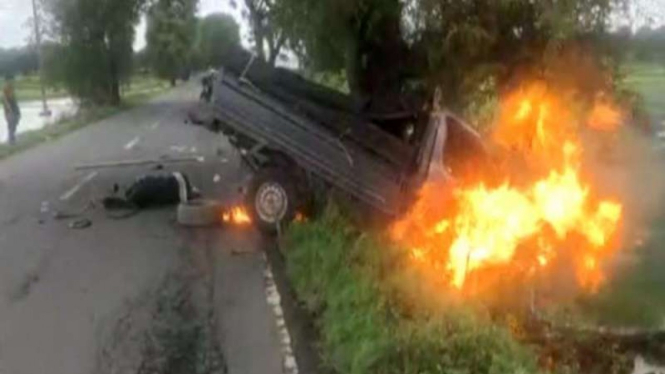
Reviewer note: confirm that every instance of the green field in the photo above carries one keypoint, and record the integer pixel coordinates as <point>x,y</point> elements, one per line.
<point>28,88</point>
<point>649,81</point>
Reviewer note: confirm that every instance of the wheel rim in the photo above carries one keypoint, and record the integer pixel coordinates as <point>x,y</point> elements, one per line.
<point>271,202</point>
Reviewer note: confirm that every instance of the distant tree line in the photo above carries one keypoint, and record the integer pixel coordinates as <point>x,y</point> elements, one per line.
<point>18,61</point>
<point>90,49</point>
<point>648,45</point>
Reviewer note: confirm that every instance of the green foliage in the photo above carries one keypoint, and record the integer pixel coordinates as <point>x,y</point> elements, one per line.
<point>170,37</point>
<point>450,44</point>
<point>358,288</point>
<point>216,34</point>
<point>94,51</point>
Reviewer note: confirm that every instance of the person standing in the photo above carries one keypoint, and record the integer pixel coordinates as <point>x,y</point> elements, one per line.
<point>12,111</point>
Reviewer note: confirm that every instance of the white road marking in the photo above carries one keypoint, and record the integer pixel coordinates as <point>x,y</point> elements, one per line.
<point>132,143</point>
<point>74,190</point>
<point>274,299</point>
<point>179,148</point>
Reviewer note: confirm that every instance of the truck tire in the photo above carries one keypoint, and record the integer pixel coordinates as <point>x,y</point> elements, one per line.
<point>271,199</point>
<point>199,213</point>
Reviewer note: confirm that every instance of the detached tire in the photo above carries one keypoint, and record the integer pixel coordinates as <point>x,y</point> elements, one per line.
<point>198,213</point>
<point>271,199</point>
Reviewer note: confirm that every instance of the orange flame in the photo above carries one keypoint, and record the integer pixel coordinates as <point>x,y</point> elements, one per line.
<point>237,216</point>
<point>481,226</point>
<point>605,117</point>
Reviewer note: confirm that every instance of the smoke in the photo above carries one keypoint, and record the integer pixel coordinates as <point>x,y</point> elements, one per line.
<point>628,164</point>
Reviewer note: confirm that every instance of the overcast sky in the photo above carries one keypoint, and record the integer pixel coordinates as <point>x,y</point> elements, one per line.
<point>14,15</point>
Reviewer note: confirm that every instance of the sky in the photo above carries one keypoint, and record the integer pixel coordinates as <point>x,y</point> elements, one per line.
<point>14,16</point>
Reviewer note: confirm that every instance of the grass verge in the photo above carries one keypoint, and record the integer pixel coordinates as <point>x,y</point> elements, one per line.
<point>648,80</point>
<point>369,309</point>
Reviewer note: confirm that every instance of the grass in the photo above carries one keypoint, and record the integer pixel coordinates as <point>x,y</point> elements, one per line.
<point>635,296</point>
<point>648,79</point>
<point>138,93</point>
<point>28,87</point>
<point>374,315</point>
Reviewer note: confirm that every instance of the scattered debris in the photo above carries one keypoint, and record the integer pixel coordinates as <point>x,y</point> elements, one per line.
<point>217,178</point>
<point>80,224</point>
<point>162,161</point>
<point>23,289</point>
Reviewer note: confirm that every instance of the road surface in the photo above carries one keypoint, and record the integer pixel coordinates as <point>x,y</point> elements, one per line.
<point>83,301</point>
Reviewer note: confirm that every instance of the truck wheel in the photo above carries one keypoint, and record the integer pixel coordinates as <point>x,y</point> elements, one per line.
<point>272,199</point>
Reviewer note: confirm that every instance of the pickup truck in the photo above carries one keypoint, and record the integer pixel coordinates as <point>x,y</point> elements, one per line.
<point>296,135</point>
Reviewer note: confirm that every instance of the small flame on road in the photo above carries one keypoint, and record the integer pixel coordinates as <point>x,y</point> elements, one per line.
<point>237,216</point>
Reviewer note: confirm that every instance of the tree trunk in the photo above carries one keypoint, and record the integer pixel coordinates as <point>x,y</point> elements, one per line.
<point>172,82</point>
<point>353,69</point>
<point>275,45</point>
<point>115,93</point>
<point>114,82</point>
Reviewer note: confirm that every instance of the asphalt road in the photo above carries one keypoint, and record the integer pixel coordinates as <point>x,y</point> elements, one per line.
<point>64,293</point>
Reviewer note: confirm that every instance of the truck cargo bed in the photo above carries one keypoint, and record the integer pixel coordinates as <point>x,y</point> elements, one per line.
<point>337,159</point>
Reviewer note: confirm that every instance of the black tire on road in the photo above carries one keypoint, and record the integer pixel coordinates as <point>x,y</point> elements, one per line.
<point>271,199</point>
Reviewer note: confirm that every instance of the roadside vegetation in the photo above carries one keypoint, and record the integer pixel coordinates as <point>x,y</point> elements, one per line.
<point>648,79</point>
<point>28,89</point>
<point>375,316</point>
<point>376,312</point>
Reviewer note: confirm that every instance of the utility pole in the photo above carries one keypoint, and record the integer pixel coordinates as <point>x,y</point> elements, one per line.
<point>38,39</point>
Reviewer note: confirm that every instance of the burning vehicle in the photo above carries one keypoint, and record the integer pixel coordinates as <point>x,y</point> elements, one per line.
<point>297,136</point>
<point>469,214</point>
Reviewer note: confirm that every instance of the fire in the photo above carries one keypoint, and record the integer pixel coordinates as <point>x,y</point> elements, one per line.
<point>604,116</point>
<point>237,216</point>
<point>553,215</point>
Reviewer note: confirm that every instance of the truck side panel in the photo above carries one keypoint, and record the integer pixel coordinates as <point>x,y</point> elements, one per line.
<point>340,163</point>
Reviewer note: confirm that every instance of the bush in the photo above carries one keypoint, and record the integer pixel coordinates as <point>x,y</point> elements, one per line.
<point>371,316</point>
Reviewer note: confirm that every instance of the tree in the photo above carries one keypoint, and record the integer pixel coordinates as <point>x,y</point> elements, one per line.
<point>387,46</point>
<point>95,43</point>
<point>216,34</point>
<point>363,38</point>
<point>265,33</point>
<point>170,36</point>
